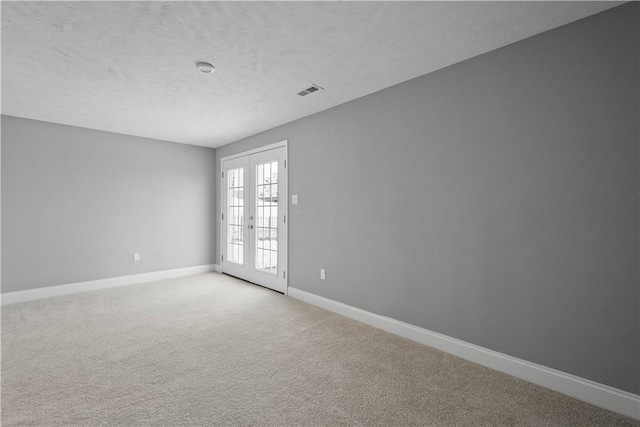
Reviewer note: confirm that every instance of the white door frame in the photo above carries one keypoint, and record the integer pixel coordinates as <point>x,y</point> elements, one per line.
<point>283,256</point>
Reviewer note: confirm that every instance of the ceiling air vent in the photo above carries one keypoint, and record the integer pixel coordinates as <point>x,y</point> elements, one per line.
<point>307,91</point>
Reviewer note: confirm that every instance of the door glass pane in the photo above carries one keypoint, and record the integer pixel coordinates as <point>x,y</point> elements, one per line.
<point>267,222</point>
<point>235,216</point>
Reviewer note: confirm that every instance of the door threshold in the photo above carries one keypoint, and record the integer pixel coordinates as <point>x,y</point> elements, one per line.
<point>251,283</point>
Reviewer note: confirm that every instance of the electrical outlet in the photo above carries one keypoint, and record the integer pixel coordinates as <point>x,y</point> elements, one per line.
<point>322,274</point>
<point>136,256</point>
<point>294,199</point>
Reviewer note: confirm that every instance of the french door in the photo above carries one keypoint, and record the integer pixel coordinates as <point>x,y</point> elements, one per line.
<point>254,209</point>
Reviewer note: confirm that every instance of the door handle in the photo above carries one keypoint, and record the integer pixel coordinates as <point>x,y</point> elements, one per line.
<point>250,227</point>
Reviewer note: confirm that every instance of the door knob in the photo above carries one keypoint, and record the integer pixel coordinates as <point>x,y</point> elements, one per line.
<point>250,227</point>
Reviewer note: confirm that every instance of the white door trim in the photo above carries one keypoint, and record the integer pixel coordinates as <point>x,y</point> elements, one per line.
<point>284,143</point>
<point>284,255</point>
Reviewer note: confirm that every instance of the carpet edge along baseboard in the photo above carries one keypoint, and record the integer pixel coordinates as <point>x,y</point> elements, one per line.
<point>92,285</point>
<point>613,399</point>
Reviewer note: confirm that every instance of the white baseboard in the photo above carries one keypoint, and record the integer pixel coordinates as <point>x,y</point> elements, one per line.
<point>217,268</point>
<point>54,291</point>
<point>606,397</point>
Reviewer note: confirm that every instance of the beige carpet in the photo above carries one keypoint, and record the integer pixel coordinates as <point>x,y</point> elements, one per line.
<point>213,350</point>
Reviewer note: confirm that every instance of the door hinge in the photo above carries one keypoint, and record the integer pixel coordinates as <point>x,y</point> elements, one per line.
<point>223,217</point>
<point>285,219</point>
<point>221,258</point>
<point>285,163</point>
<point>222,175</point>
<point>284,274</point>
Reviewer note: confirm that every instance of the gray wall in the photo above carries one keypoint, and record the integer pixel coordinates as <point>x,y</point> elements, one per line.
<point>76,204</point>
<point>495,201</point>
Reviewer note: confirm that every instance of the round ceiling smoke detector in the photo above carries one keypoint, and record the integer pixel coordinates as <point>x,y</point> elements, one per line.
<point>205,67</point>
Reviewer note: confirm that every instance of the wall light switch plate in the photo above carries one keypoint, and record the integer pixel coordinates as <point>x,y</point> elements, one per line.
<point>136,256</point>
<point>294,199</point>
<point>322,274</point>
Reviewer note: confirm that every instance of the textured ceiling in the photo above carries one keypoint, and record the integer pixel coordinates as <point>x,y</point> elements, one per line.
<point>128,67</point>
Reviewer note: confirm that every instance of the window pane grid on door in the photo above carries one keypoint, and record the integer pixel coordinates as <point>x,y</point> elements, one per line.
<point>267,217</point>
<point>235,216</point>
